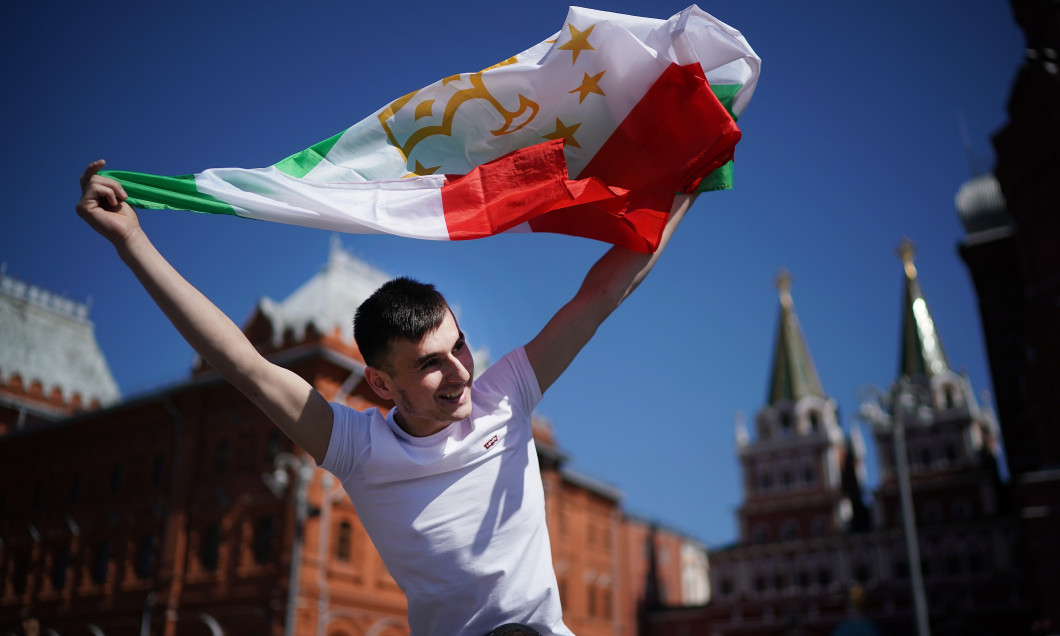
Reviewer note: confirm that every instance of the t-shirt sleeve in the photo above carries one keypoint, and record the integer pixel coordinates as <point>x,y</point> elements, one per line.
<point>513,376</point>
<point>349,432</point>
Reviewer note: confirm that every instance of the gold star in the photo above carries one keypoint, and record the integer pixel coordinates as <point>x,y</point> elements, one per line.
<point>579,41</point>
<point>566,133</point>
<point>589,85</point>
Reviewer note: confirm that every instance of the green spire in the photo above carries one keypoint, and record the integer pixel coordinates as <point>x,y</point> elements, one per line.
<point>794,376</point>
<point>922,353</point>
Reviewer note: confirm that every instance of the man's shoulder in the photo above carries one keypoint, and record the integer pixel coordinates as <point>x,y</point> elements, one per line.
<point>510,364</point>
<point>350,416</point>
<point>511,376</point>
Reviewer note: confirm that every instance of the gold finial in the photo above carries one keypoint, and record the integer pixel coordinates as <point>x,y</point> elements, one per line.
<point>907,251</point>
<point>783,282</point>
<point>857,595</point>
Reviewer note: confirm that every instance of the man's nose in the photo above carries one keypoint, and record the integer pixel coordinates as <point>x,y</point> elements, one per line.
<point>457,370</point>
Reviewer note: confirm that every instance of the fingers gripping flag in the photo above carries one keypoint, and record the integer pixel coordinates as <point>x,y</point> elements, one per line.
<point>589,133</point>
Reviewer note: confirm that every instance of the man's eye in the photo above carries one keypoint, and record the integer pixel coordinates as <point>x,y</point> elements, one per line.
<point>459,345</point>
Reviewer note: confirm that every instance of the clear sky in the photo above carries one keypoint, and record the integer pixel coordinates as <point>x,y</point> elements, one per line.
<point>850,143</point>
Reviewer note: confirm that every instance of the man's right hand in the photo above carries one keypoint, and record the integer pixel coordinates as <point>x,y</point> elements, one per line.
<point>103,206</point>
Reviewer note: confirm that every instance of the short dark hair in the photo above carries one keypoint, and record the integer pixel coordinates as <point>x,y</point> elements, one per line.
<point>402,308</point>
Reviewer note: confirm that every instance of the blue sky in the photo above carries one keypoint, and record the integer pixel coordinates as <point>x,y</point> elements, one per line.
<point>850,143</point>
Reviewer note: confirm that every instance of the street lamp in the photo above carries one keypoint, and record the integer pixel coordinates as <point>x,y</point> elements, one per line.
<point>331,491</point>
<point>277,482</point>
<point>906,402</point>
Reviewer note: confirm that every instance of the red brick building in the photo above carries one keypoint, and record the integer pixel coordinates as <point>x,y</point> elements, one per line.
<point>184,511</point>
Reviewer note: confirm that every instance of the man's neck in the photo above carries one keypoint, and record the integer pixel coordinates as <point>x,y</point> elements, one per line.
<point>416,427</point>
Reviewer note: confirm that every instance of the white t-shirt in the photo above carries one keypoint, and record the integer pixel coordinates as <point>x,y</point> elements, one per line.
<point>458,516</point>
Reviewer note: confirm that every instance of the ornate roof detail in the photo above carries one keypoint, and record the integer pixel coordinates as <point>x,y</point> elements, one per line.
<point>328,300</point>
<point>981,204</point>
<point>48,342</point>
<point>922,354</point>
<point>794,375</point>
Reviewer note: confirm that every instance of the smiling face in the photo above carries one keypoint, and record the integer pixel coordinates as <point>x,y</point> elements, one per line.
<point>429,380</point>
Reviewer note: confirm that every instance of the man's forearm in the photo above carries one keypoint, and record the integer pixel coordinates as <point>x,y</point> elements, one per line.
<point>619,271</point>
<point>609,282</point>
<point>285,398</point>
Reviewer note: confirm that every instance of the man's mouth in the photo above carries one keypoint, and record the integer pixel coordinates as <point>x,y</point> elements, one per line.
<point>452,396</point>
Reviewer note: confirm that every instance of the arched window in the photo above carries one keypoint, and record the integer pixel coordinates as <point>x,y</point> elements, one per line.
<point>606,610</point>
<point>785,423</point>
<point>60,566</point>
<point>20,574</point>
<point>949,398</point>
<point>210,549</point>
<point>117,476</point>
<point>263,540</point>
<point>101,563</point>
<point>223,458</point>
<point>158,471</point>
<point>273,446</point>
<point>345,541</point>
<point>815,421</point>
<point>145,557</point>
<point>809,476</point>
<point>75,487</point>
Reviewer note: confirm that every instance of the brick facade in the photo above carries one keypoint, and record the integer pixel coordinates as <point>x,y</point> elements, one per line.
<point>179,512</point>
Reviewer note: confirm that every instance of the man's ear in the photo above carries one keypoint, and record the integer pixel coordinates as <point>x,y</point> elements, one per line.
<point>380,382</point>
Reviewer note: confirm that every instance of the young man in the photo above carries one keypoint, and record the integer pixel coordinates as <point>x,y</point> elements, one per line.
<point>447,484</point>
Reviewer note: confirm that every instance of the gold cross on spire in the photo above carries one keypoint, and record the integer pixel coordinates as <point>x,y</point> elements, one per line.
<point>906,251</point>
<point>783,282</point>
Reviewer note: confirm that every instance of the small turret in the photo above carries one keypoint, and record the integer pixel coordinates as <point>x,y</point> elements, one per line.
<point>794,376</point>
<point>922,356</point>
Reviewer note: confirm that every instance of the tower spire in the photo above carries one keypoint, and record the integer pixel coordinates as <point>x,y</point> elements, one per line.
<point>922,353</point>
<point>794,375</point>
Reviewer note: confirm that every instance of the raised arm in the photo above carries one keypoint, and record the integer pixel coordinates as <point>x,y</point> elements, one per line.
<point>610,280</point>
<point>288,400</point>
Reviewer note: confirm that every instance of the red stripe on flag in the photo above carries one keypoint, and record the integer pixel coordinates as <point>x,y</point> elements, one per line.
<point>517,187</point>
<point>675,135</point>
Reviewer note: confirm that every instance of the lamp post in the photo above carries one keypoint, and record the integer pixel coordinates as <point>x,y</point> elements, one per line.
<point>907,401</point>
<point>277,481</point>
<point>331,491</point>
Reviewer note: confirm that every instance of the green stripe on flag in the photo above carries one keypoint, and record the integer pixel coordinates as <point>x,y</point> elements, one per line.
<point>166,193</point>
<point>301,163</point>
<point>720,179</point>
<point>725,94</point>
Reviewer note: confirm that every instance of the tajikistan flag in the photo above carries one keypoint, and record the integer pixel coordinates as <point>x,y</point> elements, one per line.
<point>589,133</point>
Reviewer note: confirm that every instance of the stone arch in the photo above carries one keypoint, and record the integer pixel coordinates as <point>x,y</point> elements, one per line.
<point>382,627</point>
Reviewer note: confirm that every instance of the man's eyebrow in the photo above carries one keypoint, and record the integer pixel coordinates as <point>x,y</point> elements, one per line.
<point>427,358</point>
<point>424,359</point>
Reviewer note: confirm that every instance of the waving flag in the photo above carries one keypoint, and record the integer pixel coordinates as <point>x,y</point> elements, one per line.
<point>589,133</point>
